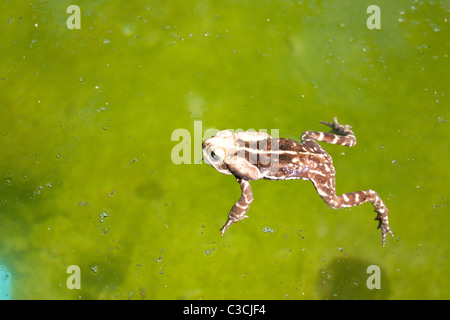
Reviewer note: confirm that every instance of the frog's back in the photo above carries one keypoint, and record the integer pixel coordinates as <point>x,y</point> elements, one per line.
<point>286,144</point>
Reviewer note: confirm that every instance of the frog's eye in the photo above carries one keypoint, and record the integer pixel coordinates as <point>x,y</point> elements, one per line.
<point>217,154</point>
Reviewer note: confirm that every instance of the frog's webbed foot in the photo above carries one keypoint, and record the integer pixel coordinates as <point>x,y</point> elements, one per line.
<point>383,224</point>
<point>338,128</point>
<point>240,208</point>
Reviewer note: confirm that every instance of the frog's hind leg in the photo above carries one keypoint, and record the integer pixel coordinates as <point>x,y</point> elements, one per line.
<point>340,134</point>
<point>240,208</point>
<point>326,190</point>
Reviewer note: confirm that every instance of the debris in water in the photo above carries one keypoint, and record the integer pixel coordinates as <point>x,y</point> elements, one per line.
<point>267,230</point>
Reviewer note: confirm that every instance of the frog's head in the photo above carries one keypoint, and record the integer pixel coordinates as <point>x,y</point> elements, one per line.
<point>218,148</point>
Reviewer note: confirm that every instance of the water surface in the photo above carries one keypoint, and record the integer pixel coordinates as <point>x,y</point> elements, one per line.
<point>87,177</point>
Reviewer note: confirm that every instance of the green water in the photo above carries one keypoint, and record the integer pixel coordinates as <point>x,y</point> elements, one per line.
<point>87,176</point>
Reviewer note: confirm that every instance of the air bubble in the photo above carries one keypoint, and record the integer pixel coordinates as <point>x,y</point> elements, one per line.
<point>267,230</point>
<point>103,215</point>
<point>94,269</point>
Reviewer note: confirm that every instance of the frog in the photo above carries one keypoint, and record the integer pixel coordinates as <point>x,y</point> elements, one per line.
<point>250,155</point>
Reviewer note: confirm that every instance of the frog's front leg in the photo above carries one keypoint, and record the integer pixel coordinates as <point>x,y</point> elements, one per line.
<point>240,208</point>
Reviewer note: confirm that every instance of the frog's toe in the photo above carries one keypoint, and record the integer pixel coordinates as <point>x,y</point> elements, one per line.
<point>225,227</point>
<point>230,221</point>
<point>384,226</point>
<point>330,124</point>
<point>337,127</point>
